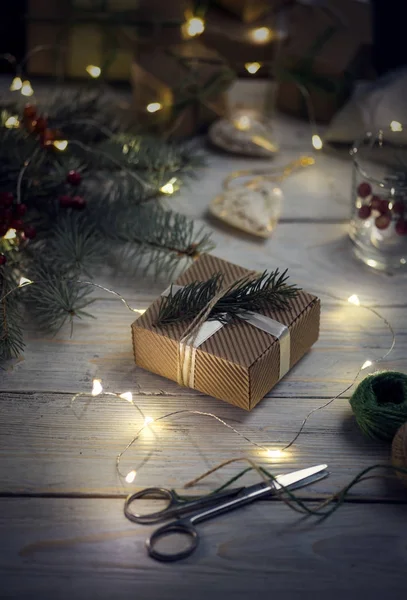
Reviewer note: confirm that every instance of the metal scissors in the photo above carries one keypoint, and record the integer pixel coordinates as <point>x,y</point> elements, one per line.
<point>187,514</point>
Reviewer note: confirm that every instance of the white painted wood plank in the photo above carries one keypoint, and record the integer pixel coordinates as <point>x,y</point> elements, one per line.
<point>87,549</point>
<point>48,446</point>
<point>321,192</point>
<point>319,258</point>
<point>103,348</point>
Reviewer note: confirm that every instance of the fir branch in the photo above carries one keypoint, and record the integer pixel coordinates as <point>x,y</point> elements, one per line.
<point>153,237</point>
<point>268,290</point>
<point>11,334</point>
<point>76,244</point>
<point>56,299</point>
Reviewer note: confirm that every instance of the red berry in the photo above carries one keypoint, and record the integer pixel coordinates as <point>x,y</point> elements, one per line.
<point>6,199</point>
<point>40,125</point>
<point>78,202</point>
<point>382,222</point>
<point>401,227</point>
<point>3,259</point>
<point>3,229</point>
<point>30,232</point>
<point>364,212</point>
<point>29,111</point>
<point>74,178</point>
<point>398,207</point>
<point>384,207</point>
<point>65,201</point>
<point>20,210</point>
<point>375,202</point>
<point>17,224</point>
<point>364,189</point>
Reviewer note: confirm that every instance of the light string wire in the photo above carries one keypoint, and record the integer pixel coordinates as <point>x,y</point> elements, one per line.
<point>368,363</point>
<point>273,453</point>
<point>315,137</point>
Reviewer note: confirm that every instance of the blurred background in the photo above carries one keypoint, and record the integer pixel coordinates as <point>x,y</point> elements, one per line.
<point>150,45</point>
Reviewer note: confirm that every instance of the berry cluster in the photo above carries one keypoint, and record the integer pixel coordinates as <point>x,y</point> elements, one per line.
<point>383,210</point>
<point>37,124</point>
<point>66,201</point>
<point>11,217</point>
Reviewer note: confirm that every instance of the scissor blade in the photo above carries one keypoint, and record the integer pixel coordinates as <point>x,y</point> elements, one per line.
<point>295,477</point>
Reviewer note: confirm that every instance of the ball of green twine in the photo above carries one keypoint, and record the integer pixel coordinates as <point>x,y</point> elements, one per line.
<point>379,404</point>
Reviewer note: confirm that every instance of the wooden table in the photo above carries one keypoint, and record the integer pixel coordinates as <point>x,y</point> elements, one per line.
<point>62,529</point>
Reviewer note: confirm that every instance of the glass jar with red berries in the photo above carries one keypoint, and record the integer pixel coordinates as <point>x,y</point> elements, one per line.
<point>378,227</point>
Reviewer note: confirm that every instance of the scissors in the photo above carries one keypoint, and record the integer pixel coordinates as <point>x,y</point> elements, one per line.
<point>188,513</point>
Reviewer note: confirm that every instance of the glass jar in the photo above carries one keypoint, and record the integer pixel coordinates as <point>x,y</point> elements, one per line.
<point>378,227</point>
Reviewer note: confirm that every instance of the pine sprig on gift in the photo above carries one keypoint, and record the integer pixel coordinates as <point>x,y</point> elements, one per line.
<point>267,290</point>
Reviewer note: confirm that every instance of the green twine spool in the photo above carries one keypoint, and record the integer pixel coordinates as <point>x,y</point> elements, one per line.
<point>379,404</point>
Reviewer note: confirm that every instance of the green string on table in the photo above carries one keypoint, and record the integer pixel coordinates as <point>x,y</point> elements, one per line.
<point>379,404</point>
<point>323,510</point>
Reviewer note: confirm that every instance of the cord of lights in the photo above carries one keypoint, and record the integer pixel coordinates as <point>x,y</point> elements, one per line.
<point>97,388</point>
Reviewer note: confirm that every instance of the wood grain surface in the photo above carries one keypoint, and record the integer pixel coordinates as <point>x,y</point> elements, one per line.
<point>62,528</point>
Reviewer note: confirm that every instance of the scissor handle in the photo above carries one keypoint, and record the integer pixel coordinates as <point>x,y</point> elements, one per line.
<point>180,527</point>
<point>149,494</point>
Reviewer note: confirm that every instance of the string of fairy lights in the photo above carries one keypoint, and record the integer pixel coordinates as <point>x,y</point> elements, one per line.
<point>268,450</point>
<point>193,26</point>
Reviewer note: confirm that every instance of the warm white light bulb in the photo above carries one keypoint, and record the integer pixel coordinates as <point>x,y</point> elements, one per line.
<point>12,123</point>
<point>60,144</point>
<point>168,188</point>
<point>154,107</point>
<point>252,67</point>
<point>396,126</point>
<point>94,71</point>
<point>243,123</point>
<point>127,396</point>
<point>10,235</point>
<point>274,453</point>
<point>317,142</point>
<point>354,299</point>
<point>16,84</point>
<point>194,26</point>
<point>148,421</point>
<point>24,281</point>
<point>261,35</point>
<point>97,387</point>
<point>26,89</point>
<point>366,364</point>
<point>130,477</point>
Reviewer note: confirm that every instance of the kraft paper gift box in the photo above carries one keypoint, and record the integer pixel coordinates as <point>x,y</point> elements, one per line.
<point>189,81</point>
<point>105,33</point>
<point>240,362</point>
<point>326,51</point>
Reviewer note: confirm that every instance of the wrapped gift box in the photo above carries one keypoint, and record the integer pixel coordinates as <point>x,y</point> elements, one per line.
<point>188,81</point>
<point>325,52</point>
<point>78,33</point>
<point>251,10</point>
<point>235,42</point>
<point>239,363</point>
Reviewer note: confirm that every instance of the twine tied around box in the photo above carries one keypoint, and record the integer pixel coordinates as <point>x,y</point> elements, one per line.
<point>200,329</point>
